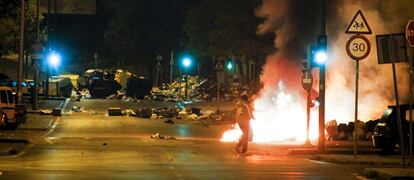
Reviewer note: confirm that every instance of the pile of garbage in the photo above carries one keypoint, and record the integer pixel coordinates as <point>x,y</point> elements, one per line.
<point>344,131</point>
<point>176,91</point>
<point>115,84</point>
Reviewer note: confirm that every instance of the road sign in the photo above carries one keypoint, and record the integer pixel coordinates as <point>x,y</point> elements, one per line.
<point>307,80</point>
<point>358,25</point>
<point>36,49</point>
<point>219,66</point>
<point>159,57</point>
<point>391,47</point>
<point>409,32</point>
<point>358,47</point>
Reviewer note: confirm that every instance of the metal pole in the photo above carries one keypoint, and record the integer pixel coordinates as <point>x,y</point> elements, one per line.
<point>218,97</point>
<point>411,104</point>
<point>36,63</point>
<point>397,103</point>
<point>157,75</point>
<point>21,58</point>
<point>186,87</point>
<point>180,80</point>
<point>308,101</point>
<point>356,110</point>
<point>321,142</point>
<point>171,66</point>
<point>49,37</point>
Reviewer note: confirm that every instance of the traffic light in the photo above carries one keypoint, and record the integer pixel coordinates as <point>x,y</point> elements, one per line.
<point>319,52</point>
<point>229,65</point>
<point>54,59</point>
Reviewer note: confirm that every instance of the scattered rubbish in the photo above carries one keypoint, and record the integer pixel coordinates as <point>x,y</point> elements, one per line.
<point>57,112</point>
<point>13,152</point>
<point>114,112</point>
<point>144,113</point>
<point>160,136</point>
<point>77,109</point>
<point>129,112</point>
<point>169,121</point>
<point>46,112</point>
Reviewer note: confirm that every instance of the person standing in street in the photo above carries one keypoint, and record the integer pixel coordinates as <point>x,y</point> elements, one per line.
<point>243,120</point>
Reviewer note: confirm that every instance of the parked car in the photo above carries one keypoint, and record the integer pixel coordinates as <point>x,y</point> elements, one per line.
<point>386,134</point>
<point>8,112</point>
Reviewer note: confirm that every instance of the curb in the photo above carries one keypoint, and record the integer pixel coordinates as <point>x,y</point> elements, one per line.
<point>377,173</point>
<point>330,151</point>
<point>358,161</point>
<point>7,140</point>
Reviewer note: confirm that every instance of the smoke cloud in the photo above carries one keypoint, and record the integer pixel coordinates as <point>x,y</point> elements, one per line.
<point>296,24</point>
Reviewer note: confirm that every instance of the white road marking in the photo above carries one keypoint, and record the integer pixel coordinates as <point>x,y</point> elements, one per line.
<point>320,162</point>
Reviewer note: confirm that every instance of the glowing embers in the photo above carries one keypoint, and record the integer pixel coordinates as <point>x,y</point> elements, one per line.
<point>280,118</point>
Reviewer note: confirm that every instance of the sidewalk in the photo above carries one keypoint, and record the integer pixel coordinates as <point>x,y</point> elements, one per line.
<point>389,173</point>
<point>394,160</point>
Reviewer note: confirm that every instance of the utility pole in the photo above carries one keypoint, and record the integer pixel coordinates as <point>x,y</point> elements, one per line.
<point>21,58</point>
<point>36,63</point>
<point>46,86</point>
<point>322,88</point>
<point>171,66</point>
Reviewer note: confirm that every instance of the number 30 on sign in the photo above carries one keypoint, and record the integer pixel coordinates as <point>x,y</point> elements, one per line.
<point>358,47</point>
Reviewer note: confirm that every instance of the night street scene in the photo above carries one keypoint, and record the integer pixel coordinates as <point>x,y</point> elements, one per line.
<point>206,89</point>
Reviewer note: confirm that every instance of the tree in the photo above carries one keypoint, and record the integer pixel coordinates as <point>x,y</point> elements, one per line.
<point>138,31</point>
<point>226,29</point>
<point>9,25</point>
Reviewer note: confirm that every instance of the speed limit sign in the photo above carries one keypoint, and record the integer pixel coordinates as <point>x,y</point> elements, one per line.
<point>358,47</point>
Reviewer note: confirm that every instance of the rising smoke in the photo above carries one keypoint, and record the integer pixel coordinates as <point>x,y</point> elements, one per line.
<point>296,24</point>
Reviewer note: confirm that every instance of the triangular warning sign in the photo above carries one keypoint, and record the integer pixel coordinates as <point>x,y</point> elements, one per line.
<point>219,66</point>
<point>358,25</point>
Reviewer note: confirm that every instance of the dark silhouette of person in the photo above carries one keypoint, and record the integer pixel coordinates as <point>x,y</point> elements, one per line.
<point>243,120</point>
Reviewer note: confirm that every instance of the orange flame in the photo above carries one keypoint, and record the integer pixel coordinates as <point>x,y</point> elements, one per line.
<point>280,118</point>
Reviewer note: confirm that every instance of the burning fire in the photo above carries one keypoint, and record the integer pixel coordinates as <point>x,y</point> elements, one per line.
<point>280,117</point>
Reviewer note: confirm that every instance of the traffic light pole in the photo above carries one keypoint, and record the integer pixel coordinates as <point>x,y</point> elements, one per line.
<point>321,140</point>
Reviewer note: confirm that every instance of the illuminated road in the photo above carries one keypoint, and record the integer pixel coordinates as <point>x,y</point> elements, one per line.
<point>86,146</point>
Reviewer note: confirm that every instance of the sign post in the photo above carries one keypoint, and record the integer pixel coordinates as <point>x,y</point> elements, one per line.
<point>409,33</point>
<point>307,82</point>
<point>391,50</point>
<point>36,56</point>
<point>158,67</point>
<point>220,79</point>
<point>358,48</point>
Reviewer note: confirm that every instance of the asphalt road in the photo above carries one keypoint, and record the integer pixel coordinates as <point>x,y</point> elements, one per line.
<point>95,146</point>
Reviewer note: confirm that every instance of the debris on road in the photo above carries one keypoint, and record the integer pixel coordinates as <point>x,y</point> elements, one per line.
<point>160,136</point>
<point>77,109</point>
<point>169,121</point>
<point>45,112</point>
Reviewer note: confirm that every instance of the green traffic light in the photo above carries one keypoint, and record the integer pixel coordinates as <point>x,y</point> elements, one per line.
<point>229,65</point>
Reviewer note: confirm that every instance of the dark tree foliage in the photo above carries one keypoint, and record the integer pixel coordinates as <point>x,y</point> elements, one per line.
<point>138,31</point>
<point>226,28</point>
<point>9,25</point>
